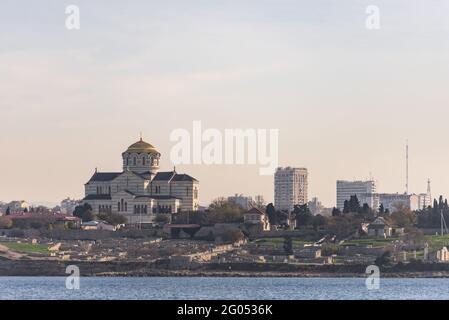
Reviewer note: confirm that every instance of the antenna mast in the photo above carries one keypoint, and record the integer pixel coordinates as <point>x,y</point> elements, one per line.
<point>406,167</point>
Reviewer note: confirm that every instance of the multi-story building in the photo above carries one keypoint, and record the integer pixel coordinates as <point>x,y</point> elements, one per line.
<point>17,206</point>
<point>290,188</point>
<point>316,207</point>
<point>140,192</point>
<point>425,199</point>
<point>259,201</point>
<point>68,205</point>
<point>364,190</point>
<point>246,202</point>
<point>393,201</point>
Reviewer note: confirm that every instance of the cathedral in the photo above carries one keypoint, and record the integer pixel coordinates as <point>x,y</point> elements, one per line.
<point>140,192</point>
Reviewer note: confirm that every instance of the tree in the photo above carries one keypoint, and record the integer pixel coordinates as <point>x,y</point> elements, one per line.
<point>302,215</point>
<point>272,216</point>
<point>383,260</point>
<point>336,212</point>
<point>288,245</point>
<point>318,221</point>
<point>344,225</point>
<point>84,212</point>
<point>430,217</point>
<point>354,204</point>
<point>346,208</point>
<point>225,211</point>
<point>113,218</point>
<point>403,217</point>
<point>232,236</point>
<point>366,209</point>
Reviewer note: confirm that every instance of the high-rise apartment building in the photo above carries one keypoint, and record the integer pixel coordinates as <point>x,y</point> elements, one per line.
<point>364,190</point>
<point>290,188</point>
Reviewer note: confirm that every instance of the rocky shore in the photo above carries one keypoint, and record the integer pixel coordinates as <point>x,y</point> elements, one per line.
<point>146,269</point>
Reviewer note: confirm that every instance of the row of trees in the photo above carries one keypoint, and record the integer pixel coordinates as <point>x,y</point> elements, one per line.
<point>220,211</point>
<point>223,211</point>
<point>430,217</point>
<point>85,213</point>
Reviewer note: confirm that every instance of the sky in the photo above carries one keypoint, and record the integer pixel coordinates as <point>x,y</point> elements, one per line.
<point>344,98</point>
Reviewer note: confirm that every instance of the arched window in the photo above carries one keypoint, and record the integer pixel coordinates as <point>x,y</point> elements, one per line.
<point>126,206</point>
<point>143,161</point>
<point>134,161</point>
<point>118,206</point>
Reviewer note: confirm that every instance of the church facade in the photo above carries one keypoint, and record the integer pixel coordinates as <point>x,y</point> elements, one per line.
<point>140,191</point>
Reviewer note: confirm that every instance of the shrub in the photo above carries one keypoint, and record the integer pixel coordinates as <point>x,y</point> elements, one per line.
<point>17,233</point>
<point>162,218</point>
<point>113,218</point>
<point>232,235</point>
<point>5,223</point>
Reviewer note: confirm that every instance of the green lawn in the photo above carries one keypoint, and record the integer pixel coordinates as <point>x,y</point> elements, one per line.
<point>375,242</point>
<point>437,242</point>
<point>26,247</point>
<point>280,241</point>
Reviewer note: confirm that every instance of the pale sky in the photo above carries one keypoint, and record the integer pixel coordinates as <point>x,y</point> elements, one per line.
<point>343,97</point>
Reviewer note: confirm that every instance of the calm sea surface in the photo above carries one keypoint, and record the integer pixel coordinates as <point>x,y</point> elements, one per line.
<point>221,288</point>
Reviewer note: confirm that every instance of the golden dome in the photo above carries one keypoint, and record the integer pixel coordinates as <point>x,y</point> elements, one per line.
<point>141,147</point>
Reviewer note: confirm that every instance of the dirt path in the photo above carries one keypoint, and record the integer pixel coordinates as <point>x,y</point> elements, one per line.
<point>7,253</point>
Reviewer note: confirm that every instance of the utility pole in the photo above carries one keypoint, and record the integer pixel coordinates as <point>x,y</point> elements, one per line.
<point>442,223</point>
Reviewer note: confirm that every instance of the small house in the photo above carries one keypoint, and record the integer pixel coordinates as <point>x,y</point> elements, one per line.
<point>98,225</point>
<point>257,217</point>
<point>381,228</point>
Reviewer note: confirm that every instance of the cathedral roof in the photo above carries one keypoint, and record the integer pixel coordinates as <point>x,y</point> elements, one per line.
<point>104,176</point>
<point>141,147</point>
<point>172,176</point>
<point>164,176</point>
<point>183,177</point>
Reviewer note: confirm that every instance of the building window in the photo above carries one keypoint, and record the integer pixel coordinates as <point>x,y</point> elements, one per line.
<point>126,206</point>
<point>118,206</point>
<point>134,161</point>
<point>143,161</point>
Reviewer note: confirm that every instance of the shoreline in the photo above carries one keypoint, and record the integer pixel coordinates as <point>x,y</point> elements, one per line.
<point>235,274</point>
<point>55,268</point>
